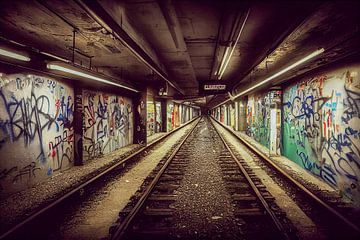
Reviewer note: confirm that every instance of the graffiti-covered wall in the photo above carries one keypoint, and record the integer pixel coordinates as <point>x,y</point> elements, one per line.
<point>108,123</point>
<point>170,120</point>
<point>321,127</point>
<point>258,116</point>
<point>36,132</point>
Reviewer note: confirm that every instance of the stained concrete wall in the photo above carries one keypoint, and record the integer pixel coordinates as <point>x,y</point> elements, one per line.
<point>36,132</point>
<point>321,127</point>
<point>108,123</point>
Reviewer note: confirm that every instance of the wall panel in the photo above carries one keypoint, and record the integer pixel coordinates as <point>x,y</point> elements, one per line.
<point>322,127</point>
<point>36,131</point>
<point>108,123</point>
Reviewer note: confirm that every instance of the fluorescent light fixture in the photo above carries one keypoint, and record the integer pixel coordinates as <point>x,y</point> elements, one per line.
<point>85,75</point>
<point>56,57</point>
<point>223,60</point>
<point>16,56</point>
<point>222,70</point>
<point>307,58</point>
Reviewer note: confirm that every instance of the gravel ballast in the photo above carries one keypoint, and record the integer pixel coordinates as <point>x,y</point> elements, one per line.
<point>305,226</point>
<point>93,219</point>
<point>203,208</point>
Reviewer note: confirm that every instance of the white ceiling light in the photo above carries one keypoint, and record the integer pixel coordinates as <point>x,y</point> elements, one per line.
<point>56,57</point>
<point>58,67</point>
<point>223,61</point>
<point>14,55</point>
<point>292,66</point>
<point>226,59</point>
<point>308,57</point>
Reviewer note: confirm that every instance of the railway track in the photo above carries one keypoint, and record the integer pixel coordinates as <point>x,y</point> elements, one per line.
<point>41,222</point>
<point>330,216</point>
<point>158,211</point>
<point>153,213</point>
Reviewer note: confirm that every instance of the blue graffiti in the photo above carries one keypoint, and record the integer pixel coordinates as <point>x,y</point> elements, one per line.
<point>352,103</point>
<point>322,170</point>
<point>65,112</point>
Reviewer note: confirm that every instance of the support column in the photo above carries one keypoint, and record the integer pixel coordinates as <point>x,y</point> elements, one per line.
<point>180,114</point>
<point>163,115</point>
<point>78,123</point>
<point>237,116</point>
<point>140,119</point>
<point>242,115</point>
<point>275,122</point>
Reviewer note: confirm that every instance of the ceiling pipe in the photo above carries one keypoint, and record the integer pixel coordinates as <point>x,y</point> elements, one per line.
<point>99,14</point>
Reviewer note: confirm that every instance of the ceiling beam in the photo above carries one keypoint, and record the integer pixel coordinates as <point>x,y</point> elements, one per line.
<point>173,24</point>
<point>99,14</point>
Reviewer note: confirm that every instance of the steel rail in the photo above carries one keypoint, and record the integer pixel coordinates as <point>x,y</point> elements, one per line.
<point>292,180</point>
<point>121,229</point>
<point>56,202</point>
<point>276,221</point>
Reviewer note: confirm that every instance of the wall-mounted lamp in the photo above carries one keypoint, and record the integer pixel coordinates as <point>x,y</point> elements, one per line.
<point>292,66</point>
<point>68,69</point>
<point>14,55</point>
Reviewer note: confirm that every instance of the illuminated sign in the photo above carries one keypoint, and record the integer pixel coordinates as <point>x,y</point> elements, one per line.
<point>212,87</point>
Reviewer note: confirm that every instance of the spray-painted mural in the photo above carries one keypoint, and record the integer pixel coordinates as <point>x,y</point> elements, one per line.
<point>150,109</point>
<point>170,116</point>
<point>36,133</point>
<point>108,123</point>
<point>158,120</point>
<point>258,118</point>
<point>322,128</point>
<point>250,115</point>
<point>176,115</point>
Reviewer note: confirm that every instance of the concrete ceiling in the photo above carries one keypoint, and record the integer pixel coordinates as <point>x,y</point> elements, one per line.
<point>148,42</point>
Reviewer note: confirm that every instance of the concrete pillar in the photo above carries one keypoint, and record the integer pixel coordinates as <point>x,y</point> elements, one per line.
<point>237,116</point>
<point>242,115</point>
<point>163,115</point>
<point>232,115</point>
<point>140,119</point>
<point>180,114</point>
<point>78,123</point>
<point>275,122</point>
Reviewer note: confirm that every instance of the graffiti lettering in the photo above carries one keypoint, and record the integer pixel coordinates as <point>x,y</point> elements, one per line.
<point>319,126</point>
<point>39,116</point>
<point>107,123</point>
